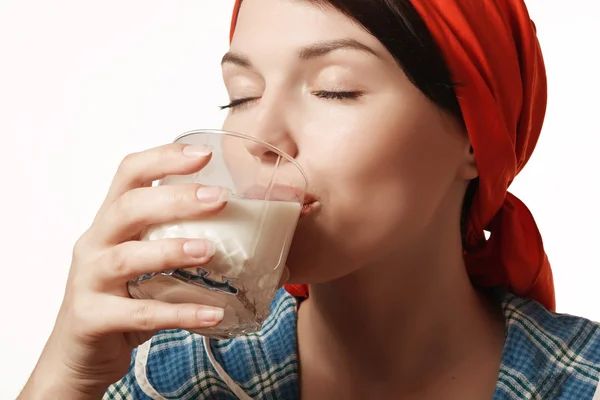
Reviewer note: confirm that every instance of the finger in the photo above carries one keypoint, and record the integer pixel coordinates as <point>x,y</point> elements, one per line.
<point>129,315</point>
<point>129,260</point>
<point>141,207</point>
<point>141,169</point>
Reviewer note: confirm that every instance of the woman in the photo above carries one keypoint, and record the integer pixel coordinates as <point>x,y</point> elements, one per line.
<point>411,118</point>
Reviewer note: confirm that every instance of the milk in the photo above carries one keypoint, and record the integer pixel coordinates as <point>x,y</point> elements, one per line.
<point>252,240</point>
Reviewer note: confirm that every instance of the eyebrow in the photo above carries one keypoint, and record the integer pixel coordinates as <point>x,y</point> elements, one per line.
<point>310,52</point>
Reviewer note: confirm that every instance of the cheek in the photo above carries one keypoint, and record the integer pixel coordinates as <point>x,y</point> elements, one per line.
<point>384,173</point>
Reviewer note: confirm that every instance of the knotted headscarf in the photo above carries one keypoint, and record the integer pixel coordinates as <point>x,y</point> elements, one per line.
<point>492,51</point>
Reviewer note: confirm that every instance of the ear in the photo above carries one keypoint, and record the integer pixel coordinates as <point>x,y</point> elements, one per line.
<point>468,169</point>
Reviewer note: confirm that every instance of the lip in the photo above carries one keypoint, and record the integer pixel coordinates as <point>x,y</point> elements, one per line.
<point>309,207</point>
<point>277,192</point>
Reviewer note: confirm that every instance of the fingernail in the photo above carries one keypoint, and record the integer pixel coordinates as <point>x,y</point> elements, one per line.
<point>199,248</point>
<point>197,150</point>
<point>212,194</point>
<point>210,314</point>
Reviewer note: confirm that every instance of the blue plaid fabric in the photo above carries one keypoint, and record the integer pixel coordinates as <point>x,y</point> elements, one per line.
<point>546,356</point>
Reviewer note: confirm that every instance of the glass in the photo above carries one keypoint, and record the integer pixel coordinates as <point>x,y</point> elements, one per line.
<point>252,234</point>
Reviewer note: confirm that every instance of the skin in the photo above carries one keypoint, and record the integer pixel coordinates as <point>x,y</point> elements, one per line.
<point>391,312</point>
<point>389,170</point>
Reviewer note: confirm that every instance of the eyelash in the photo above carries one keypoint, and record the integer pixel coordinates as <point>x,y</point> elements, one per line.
<point>323,94</point>
<point>341,95</point>
<point>238,102</point>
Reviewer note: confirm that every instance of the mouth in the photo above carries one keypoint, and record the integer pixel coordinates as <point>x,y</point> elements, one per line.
<point>310,203</point>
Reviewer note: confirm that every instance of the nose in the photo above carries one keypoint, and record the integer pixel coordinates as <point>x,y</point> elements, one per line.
<point>272,125</point>
<point>268,155</point>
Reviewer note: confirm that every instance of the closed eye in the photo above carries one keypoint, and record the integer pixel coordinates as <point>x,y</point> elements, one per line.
<point>337,95</point>
<point>238,102</point>
<point>323,94</point>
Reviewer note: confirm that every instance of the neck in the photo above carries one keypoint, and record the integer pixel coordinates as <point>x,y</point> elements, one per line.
<point>406,322</point>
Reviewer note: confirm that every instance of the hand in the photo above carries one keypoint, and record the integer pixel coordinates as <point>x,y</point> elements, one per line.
<point>98,323</point>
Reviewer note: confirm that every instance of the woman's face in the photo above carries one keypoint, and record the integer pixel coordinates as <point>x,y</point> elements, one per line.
<point>384,163</point>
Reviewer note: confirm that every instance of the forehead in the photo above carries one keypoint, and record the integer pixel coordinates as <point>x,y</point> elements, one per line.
<point>282,24</point>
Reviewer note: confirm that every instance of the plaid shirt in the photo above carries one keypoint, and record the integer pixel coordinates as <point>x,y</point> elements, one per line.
<point>546,356</point>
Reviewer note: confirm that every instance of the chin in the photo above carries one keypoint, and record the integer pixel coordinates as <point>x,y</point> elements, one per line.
<point>321,253</point>
<point>314,259</point>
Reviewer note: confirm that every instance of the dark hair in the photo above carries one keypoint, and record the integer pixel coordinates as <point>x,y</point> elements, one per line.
<point>400,28</point>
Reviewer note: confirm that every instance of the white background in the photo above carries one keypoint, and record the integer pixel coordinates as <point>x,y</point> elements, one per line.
<point>82,84</point>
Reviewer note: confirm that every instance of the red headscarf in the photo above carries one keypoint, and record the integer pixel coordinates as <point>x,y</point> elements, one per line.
<point>491,49</point>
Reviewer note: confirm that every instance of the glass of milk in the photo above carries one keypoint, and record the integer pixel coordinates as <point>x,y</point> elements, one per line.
<point>252,234</point>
